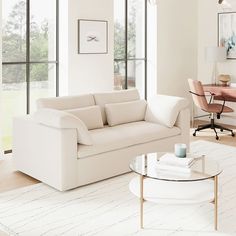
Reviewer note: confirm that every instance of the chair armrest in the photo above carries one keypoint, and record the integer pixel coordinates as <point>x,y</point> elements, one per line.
<point>206,94</point>
<point>165,109</point>
<point>63,120</point>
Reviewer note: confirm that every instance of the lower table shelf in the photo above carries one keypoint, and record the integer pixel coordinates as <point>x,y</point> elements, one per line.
<point>170,192</point>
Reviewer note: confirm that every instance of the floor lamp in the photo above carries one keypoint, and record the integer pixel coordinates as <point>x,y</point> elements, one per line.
<point>215,55</point>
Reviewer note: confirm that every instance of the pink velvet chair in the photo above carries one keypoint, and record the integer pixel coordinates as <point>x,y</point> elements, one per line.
<point>200,101</point>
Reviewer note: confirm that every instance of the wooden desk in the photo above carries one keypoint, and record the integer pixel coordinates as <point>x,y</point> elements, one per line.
<point>222,92</point>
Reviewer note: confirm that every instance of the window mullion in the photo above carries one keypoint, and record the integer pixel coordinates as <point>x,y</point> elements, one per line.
<point>145,52</point>
<point>57,48</point>
<point>126,44</point>
<point>28,56</point>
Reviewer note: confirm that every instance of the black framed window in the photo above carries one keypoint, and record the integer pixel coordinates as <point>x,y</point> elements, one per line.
<point>30,58</point>
<point>130,45</point>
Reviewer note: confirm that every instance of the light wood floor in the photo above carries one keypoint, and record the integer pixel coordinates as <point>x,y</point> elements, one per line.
<point>11,179</point>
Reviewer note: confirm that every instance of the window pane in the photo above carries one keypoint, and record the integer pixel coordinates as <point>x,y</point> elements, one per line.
<point>13,99</point>
<point>119,77</point>
<point>14,30</point>
<point>43,30</point>
<point>42,83</point>
<point>136,75</point>
<point>136,28</point>
<point>119,28</point>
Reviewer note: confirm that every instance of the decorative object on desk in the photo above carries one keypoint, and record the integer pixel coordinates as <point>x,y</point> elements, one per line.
<point>180,149</point>
<point>224,79</point>
<point>215,55</point>
<point>92,37</point>
<point>227,33</point>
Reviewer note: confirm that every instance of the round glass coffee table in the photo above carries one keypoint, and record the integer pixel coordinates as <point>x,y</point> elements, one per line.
<point>171,187</point>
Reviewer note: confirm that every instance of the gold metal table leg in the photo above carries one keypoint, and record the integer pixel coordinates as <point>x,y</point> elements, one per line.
<point>141,201</point>
<point>216,200</point>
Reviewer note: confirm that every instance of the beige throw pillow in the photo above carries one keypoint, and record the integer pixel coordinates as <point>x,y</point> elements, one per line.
<point>126,112</point>
<point>91,116</point>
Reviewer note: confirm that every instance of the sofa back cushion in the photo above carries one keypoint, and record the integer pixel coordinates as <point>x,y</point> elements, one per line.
<point>65,103</point>
<point>126,112</point>
<point>115,97</point>
<point>91,116</point>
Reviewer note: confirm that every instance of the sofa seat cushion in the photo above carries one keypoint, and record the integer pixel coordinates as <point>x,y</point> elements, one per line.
<point>125,135</point>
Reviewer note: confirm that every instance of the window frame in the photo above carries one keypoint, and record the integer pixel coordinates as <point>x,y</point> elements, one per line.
<point>28,62</point>
<point>126,59</point>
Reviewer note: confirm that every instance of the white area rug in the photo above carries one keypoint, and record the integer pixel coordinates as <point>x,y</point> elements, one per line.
<point>108,208</point>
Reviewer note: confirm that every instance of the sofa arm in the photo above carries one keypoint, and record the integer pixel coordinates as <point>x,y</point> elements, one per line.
<point>63,120</point>
<point>45,153</point>
<point>165,109</point>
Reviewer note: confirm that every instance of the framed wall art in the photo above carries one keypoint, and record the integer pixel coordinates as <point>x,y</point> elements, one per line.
<point>227,33</point>
<point>92,37</point>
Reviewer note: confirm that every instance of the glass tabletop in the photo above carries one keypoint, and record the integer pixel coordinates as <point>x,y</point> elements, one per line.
<point>201,169</point>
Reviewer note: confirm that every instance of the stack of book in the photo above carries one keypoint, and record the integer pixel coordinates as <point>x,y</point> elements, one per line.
<point>172,163</point>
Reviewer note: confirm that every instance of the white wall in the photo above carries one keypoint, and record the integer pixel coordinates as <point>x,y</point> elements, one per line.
<point>63,47</point>
<point>86,73</point>
<point>207,36</point>
<point>151,50</point>
<point>176,45</point>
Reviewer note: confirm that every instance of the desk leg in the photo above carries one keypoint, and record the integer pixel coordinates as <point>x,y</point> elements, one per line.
<point>141,201</point>
<point>216,201</point>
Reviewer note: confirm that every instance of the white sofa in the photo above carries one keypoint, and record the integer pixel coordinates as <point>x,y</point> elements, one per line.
<point>67,143</point>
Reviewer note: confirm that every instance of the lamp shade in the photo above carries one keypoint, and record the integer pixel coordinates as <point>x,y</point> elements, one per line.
<point>215,54</point>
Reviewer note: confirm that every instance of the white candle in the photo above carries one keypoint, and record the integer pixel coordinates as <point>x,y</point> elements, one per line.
<point>180,149</point>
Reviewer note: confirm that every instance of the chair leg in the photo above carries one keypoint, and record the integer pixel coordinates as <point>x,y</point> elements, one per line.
<point>224,128</point>
<point>201,127</point>
<point>213,126</point>
<point>217,137</point>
